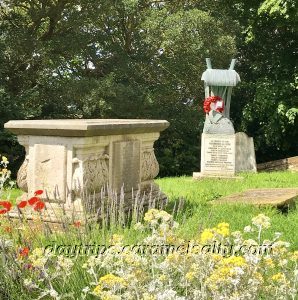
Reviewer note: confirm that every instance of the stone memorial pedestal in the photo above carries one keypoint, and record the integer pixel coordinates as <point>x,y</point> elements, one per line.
<point>225,155</point>
<point>67,158</point>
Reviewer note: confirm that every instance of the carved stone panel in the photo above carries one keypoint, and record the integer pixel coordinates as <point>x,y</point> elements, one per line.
<point>95,172</point>
<point>149,166</point>
<point>126,165</point>
<point>22,176</point>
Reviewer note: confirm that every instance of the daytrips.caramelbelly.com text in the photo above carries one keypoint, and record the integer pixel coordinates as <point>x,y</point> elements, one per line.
<point>159,249</point>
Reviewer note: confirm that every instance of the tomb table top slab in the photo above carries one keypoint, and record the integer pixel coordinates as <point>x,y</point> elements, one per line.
<point>85,127</point>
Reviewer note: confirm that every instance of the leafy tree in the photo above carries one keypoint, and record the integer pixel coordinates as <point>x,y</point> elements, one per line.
<point>267,103</point>
<point>112,59</point>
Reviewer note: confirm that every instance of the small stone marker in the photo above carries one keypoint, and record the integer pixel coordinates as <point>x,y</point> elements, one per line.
<point>277,197</point>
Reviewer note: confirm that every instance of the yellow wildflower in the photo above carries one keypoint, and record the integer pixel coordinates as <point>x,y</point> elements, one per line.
<point>171,239</point>
<point>217,257</point>
<point>116,239</point>
<point>269,262</point>
<point>4,159</point>
<point>235,295</point>
<point>147,296</point>
<point>195,267</point>
<point>280,247</point>
<point>150,214</point>
<point>220,275</point>
<point>138,275</point>
<point>164,216</point>
<point>235,261</point>
<point>206,235</point>
<point>110,280</point>
<point>155,214</point>
<point>175,258</point>
<point>162,277</point>
<point>223,229</point>
<point>190,276</point>
<point>38,258</point>
<point>97,290</point>
<point>108,295</point>
<point>258,276</point>
<point>130,259</point>
<point>278,277</point>
<point>294,256</point>
<point>227,269</point>
<point>38,252</point>
<point>223,224</point>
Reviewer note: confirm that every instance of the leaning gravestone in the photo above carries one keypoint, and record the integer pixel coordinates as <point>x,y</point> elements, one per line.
<point>71,158</point>
<point>223,153</point>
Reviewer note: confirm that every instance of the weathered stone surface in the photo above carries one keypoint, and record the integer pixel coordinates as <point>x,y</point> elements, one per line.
<point>218,154</point>
<point>150,167</point>
<point>278,197</point>
<point>224,155</point>
<point>126,165</point>
<point>290,163</point>
<point>245,153</point>
<point>48,169</point>
<point>216,123</point>
<point>84,127</point>
<point>72,160</point>
<point>22,176</point>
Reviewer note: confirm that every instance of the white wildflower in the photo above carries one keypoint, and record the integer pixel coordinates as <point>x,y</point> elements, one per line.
<point>168,295</point>
<point>139,226</point>
<point>261,221</point>
<point>54,294</point>
<point>247,229</point>
<point>175,225</point>
<point>86,290</point>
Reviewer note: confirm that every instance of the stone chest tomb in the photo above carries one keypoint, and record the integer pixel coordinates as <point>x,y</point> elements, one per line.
<point>66,158</point>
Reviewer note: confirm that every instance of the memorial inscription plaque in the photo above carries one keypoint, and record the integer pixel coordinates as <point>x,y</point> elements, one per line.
<point>218,154</point>
<point>126,165</point>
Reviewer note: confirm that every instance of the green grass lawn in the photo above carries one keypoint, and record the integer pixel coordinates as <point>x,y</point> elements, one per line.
<point>11,194</point>
<point>199,213</point>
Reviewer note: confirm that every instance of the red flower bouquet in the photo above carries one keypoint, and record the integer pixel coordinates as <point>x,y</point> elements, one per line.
<point>218,104</point>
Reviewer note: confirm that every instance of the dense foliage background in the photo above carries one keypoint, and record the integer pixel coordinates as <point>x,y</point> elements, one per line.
<point>144,59</point>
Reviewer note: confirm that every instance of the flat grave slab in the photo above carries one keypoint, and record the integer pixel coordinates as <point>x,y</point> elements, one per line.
<point>278,197</point>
